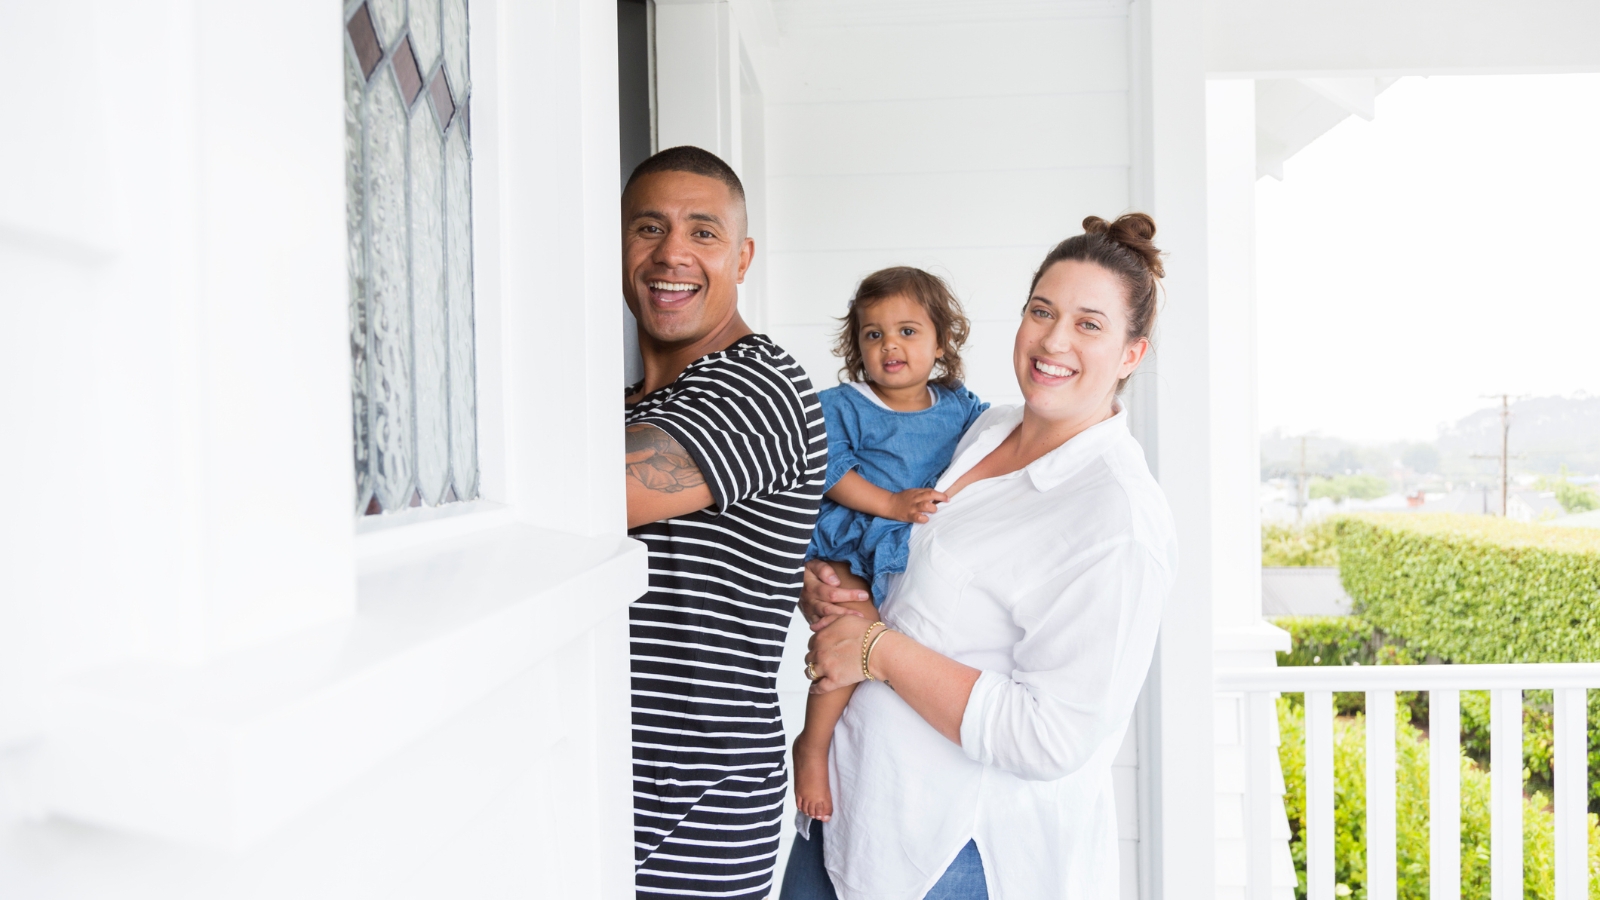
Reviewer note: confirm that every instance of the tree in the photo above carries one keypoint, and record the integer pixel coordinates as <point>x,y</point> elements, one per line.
<point>1343,487</point>
<point>1574,498</point>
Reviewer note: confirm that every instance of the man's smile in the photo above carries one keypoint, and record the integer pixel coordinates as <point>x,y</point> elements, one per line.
<point>669,293</point>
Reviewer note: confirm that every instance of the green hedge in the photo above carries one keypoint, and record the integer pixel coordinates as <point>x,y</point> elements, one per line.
<point>1300,545</point>
<point>1475,589</point>
<point>1411,815</point>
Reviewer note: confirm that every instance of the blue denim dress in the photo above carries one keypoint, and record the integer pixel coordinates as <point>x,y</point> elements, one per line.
<point>896,451</point>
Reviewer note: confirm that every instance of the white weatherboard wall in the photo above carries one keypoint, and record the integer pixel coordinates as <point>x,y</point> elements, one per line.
<point>965,147</point>
<point>211,685</point>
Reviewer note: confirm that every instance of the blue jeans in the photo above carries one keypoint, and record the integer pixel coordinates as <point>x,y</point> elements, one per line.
<point>806,879</point>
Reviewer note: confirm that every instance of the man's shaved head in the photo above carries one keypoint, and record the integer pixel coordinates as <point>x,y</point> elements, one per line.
<point>696,162</point>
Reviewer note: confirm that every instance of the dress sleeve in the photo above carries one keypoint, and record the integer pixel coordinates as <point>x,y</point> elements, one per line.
<point>744,423</point>
<point>975,408</point>
<point>1088,633</point>
<point>841,422</point>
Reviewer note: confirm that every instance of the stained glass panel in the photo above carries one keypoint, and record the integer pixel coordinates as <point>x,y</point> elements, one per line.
<point>364,39</point>
<point>390,18</point>
<point>405,69</point>
<point>428,306</point>
<point>409,219</point>
<point>439,90</point>
<point>458,270</point>
<point>425,34</point>
<point>455,45</point>
<point>355,265</point>
<point>389,300</point>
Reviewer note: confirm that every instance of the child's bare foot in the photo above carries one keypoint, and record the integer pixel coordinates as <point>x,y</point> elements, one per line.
<point>811,792</point>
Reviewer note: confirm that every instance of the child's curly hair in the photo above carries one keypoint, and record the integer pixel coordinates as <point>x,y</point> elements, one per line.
<point>929,291</point>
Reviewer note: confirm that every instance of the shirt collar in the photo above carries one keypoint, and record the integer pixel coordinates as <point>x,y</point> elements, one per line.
<point>1066,460</point>
<point>1054,467</point>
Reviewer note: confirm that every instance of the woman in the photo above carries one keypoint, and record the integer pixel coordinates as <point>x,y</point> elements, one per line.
<point>976,761</point>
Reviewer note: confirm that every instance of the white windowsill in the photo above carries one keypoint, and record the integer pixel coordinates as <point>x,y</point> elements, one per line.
<point>224,753</point>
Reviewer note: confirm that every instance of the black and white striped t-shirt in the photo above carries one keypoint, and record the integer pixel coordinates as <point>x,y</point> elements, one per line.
<point>708,743</point>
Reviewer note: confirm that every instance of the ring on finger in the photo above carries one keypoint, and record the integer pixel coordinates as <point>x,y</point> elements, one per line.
<point>811,673</point>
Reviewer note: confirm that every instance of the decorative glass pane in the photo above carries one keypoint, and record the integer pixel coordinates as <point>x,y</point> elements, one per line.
<point>364,38</point>
<point>428,336</point>
<point>425,34</point>
<point>455,46</point>
<point>390,17</point>
<point>408,173</point>
<point>458,268</point>
<point>389,303</point>
<point>439,90</point>
<point>355,263</point>
<point>405,69</point>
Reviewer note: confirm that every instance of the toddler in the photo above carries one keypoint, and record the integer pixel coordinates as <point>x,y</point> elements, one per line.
<point>892,428</point>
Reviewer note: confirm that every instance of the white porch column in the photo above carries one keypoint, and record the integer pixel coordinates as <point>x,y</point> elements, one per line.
<point>1244,856</point>
<point>1169,181</point>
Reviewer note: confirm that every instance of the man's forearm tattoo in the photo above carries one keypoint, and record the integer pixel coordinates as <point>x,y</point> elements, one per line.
<point>658,462</point>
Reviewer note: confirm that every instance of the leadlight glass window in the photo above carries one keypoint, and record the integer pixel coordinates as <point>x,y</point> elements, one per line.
<point>408,210</point>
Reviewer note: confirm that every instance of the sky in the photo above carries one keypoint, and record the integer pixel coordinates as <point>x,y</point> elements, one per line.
<point>1448,249</point>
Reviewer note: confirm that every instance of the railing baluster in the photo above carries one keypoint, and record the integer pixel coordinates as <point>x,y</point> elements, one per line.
<point>1260,727</point>
<point>1319,795</point>
<point>1572,794</point>
<point>1505,794</point>
<point>1444,795</point>
<point>1380,796</point>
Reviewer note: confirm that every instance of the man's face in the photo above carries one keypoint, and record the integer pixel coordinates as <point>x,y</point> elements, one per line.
<point>684,253</point>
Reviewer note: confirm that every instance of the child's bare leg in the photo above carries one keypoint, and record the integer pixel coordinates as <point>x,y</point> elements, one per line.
<point>811,791</point>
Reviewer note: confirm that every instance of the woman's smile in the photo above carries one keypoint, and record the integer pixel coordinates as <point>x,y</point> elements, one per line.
<point>1048,373</point>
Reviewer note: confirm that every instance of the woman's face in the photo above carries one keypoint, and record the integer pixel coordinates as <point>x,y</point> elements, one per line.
<point>899,344</point>
<point>1072,346</point>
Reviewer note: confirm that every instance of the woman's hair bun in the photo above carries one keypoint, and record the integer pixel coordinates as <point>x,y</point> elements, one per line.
<point>1135,231</point>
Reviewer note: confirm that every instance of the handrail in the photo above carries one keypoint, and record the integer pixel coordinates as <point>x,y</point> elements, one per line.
<point>1527,676</point>
<point>1506,684</point>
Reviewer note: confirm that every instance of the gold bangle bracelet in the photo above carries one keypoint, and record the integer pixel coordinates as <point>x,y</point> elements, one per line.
<point>865,675</point>
<point>866,661</point>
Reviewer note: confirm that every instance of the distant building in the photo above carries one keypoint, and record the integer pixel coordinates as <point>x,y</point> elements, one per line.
<point>1534,506</point>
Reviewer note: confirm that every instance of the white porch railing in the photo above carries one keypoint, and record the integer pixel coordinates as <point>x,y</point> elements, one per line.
<point>1444,683</point>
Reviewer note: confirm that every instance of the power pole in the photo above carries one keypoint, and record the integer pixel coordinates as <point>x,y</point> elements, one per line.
<point>1505,450</point>
<point>1300,486</point>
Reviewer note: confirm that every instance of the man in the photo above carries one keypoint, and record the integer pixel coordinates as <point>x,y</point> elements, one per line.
<point>725,457</point>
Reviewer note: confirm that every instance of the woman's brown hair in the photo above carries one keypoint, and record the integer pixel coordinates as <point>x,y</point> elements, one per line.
<point>1127,249</point>
<point>928,291</point>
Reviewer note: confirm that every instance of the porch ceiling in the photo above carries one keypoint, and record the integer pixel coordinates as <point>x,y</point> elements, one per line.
<point>800,14</point>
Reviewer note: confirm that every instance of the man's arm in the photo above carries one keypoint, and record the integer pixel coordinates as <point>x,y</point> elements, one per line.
<point>663,480</point>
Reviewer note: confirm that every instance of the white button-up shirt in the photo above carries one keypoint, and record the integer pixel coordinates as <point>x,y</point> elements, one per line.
<point>1051,580</point>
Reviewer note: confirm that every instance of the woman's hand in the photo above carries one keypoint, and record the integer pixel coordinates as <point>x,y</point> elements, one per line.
<point>915,505</point>
<point>822,592</point>
<point>835,653</point>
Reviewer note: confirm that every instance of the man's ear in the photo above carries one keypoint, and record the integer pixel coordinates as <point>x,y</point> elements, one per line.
<point>747,255</point>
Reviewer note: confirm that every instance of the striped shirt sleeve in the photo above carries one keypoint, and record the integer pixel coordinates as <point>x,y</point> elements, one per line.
<point>743,422</point>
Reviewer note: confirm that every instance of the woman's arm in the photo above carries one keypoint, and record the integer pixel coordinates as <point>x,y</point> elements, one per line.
<point>1089,630</point>
<point>936,686</point>
<point>853,490</point>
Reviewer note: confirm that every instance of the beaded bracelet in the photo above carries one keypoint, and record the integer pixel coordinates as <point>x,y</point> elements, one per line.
<point>867,676</point>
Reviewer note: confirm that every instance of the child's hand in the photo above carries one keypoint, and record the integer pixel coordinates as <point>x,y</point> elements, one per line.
<point>915,505</point>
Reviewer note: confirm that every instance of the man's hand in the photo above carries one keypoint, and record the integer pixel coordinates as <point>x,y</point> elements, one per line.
<point>915,505</point>
<point>663,480</point>
<point>822,594</point>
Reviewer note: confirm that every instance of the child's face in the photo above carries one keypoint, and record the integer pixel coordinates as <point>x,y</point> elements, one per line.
<point>899,344</point>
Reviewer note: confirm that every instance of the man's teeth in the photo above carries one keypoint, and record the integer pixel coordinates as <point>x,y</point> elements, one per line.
<point>672,286</point>
<point>1057,371</point>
